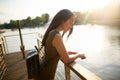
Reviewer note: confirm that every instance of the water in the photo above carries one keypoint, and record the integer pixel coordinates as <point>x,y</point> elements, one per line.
<point>100,44</point>
<point>29,36</point>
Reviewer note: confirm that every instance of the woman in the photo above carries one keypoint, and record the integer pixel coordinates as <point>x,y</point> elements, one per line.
<point>54,46</point>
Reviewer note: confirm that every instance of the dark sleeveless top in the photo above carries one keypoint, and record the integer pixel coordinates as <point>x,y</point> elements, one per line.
<point>50,50</point>
<point>51,58</point>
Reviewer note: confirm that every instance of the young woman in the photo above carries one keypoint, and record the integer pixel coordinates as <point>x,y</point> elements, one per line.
<point>54,46</point>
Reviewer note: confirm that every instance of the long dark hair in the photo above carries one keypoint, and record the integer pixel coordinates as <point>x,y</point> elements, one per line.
<point>61,16</point>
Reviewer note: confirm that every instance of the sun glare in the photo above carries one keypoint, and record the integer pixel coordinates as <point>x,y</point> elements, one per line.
<point>94,4</point>
<point>12,9</point>
<point>86,38</point>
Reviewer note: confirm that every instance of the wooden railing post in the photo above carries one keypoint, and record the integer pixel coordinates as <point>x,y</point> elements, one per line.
<point>22,45</point>
<point>67,73</point>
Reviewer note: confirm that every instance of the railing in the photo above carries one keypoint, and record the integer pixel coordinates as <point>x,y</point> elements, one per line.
<point>82,72</point>
<point>12,42</point>
<point>78,69</point>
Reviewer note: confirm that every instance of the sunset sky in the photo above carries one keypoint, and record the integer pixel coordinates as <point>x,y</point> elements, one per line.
<point>21,9</point>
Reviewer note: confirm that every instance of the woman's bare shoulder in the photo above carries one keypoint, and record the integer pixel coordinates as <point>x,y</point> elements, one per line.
<point>58,37</point>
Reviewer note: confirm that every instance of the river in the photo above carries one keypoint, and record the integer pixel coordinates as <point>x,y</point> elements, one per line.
<point>100,44</point>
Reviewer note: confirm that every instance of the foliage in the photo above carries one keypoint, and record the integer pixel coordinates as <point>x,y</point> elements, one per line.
<point>28,22</point>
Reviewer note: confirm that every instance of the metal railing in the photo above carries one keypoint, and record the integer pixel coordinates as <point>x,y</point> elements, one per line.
<point>12,42</point>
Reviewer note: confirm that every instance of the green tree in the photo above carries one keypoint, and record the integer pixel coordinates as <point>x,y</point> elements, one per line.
<point>36,21</point>
<point>13,24</point>
<point>45,18</point>
<point>28,21</point>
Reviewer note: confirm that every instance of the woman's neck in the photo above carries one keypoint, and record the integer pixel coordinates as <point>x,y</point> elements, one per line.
<point>58,29</point>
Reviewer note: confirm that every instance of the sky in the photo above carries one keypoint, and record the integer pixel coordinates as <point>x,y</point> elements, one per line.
<point>21,9</point>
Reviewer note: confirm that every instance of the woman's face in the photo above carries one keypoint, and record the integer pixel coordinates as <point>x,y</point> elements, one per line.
<point>67,25</point>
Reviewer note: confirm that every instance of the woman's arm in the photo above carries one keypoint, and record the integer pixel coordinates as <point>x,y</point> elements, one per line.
<point>67,57</point>
<point>70,52</point>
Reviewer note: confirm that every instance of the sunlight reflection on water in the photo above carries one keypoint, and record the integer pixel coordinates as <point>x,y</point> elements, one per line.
<point>93,41</point>
<point>101,45</point>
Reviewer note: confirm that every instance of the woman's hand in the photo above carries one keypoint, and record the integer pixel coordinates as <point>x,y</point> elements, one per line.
<point>82,56</point>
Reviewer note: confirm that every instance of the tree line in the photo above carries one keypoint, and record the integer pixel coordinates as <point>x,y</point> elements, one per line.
<point>27,23</point>
<point>96,16</point>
